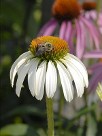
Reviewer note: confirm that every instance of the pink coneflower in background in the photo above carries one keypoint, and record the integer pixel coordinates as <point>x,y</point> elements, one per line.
<point>92,14</point>
<point>68,22</point>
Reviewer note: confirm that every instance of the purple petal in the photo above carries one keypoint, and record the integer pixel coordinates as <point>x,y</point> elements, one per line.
<point>71,41</point>
<point>80,43</point>
<point>93,54</point>
<point>95,67</point>
<point>99,20</point>
<point>93,31</point>
<point>69,35</point>
<point>87,15</point>
<point>63,30</point>
<point>100,29</point>
<point>93,14</point>
<point>89,41</point>
<point>97,77</point>
<point>48,28</point>
<point>68,31</point>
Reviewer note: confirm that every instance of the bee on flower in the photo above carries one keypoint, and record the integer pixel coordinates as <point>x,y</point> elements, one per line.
<point>47,60</point>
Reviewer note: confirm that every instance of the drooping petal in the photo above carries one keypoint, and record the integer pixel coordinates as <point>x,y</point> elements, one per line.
<point>48,28</point>
<point>66,81</point>
<point>22,58</point>
<point>97,77</point>
<point>93,14</point>
<point>32,76</point>
<point>100,29</point>
<point>71,42</point>
<point>99,20</point>
<point>68,31</point>
<point>40,80</point>
<point>80,42</point>
<point>79,65</point>
<point>94,68</point>
<point>69,36</point>
<point>63,30</point>
<point>22,72</point>
<point>93,31</point>
<point>89,41</point>
<point>87,15</point>
<point>51,80</point>
<point>93,54</point>
<point>77,77</point>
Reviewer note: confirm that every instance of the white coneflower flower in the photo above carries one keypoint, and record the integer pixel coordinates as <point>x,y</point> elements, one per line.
<point>47,58</point>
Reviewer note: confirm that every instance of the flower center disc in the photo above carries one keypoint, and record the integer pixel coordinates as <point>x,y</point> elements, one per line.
<point>66,9</point>
<point>49,48</point>
<point>89,5</point>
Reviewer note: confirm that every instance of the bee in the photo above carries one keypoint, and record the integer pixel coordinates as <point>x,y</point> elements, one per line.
<point>44,48</point>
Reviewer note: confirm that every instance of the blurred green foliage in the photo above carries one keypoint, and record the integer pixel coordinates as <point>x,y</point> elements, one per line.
<point>20,22</point>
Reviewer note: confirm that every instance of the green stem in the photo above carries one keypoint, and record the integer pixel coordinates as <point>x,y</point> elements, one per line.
<point>50,119</point>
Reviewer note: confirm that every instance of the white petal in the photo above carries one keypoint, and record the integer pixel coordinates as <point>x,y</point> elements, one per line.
<point>66,81</point>
<point>51,80</point>
<point>32,76</point>
<point>22,58</point>
<point>77,77</point>
<point>79,65</point>
<point>22,72</point>
<point>40,80</point>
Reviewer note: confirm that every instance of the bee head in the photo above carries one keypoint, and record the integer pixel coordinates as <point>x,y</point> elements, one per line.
<point>44,48</point>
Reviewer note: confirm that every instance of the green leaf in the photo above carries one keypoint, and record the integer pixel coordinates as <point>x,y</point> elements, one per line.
<point>18,130</point>
<point>22,110</point>
<point>41,132</point>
